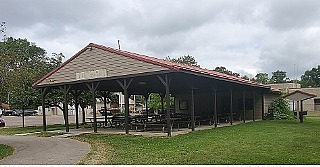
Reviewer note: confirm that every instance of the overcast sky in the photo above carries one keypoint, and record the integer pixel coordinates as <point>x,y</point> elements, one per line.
<point>245,36</point>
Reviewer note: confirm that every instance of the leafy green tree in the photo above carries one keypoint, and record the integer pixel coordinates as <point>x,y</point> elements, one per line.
<point>224,70</point>
<point>262,78</point>
<point>281,110</point>
<point>155,101</point>
<point>186,60</point>
<point>311,78</point>
<point>279,77</point>
<point>245,77</point>
<point>21,64</point>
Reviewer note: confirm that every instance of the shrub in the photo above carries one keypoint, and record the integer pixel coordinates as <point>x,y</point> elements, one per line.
<point>281,109</point>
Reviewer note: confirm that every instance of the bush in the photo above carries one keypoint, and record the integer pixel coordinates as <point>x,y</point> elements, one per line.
<point>281,109</point>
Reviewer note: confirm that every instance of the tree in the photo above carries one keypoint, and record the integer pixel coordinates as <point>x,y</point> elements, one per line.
<point>245,77</point>
<point>279,77</point>
<point>281,110</point>
<point>224,70</point>
<point>155,101</point>
<point>262,78</point>
<point>186,60</point>
<point>311,78</point>
<point>21,64</point>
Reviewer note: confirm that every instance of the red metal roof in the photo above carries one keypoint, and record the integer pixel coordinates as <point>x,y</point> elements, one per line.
<point>159,62</point>
<point>299,95</point>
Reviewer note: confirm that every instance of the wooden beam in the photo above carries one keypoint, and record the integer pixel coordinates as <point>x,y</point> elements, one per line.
<point>166,83</point>
<point>146,96</point>
<point>231,107</point>
<point>215,109</point>
<point>44,92</point>
<point>125,85</point>
<point>262,103</point>
<point>65,89</point>
<point>76,95</point>
<point>105,94</point>
<point>244,106</point>
<point>254,106</point>
<point>93,87</point>
<point>192,110</point>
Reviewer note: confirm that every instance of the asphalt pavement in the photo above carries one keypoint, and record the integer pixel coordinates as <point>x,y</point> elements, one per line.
<point>31,150</point>
<point>16,121</point>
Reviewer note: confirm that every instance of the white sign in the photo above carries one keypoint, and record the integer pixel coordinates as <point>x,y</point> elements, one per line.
<point>91,74</point>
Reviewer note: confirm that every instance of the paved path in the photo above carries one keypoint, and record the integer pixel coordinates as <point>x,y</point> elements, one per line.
<point>43,150</point>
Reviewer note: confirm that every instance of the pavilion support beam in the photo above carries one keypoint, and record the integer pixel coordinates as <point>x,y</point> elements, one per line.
<point>231,107</point>
<point>244,106</point>
<point>293,106</point>
<point>125,85</point>
<point>262,105</point>
<point>254,106</point>
<point>146,97</point>
<point>44,92</point>
<point>76,95</point>
<point>192,110</point>
<point>166,83</point>
<point>93,88</point>
<point>105,94</point>
<point>65,90</point>
<point>215,109</point>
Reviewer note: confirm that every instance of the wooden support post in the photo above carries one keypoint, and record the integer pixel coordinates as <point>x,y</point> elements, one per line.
<point>65,89</point>
<point>93,88</point>
<point>215,109</point>
<point>192,109</point>
<point>292,105</point>
<point>166,83</point>
<point>43,92</point>
<point>231,107</point>
<point>146,96</point>
<point>125,87</point>
<point>244,107</point>
<point>262,105</point>
<point>105,94</point>
<point>76,95</point>
<point>254,106</point>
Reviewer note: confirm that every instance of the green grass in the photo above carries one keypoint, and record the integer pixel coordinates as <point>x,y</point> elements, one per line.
<point>31,129</point>
<point>263,142</point>
<point>5,151</point>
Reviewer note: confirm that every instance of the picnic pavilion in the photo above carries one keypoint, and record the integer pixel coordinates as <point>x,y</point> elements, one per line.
<point>200,94</point>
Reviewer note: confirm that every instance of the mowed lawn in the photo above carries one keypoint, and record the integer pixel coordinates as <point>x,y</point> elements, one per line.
<point>5,150</point>
<point>261,142</point>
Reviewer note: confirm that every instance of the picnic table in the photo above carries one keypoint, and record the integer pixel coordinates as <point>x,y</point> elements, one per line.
<point>101,121</point>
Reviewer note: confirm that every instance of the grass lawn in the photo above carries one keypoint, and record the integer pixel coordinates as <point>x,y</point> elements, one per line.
<point>262,142</point>
<point>5,151</point>
<point>31,129</point>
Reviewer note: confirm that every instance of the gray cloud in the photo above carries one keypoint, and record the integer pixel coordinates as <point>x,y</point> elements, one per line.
<point>244,36</point>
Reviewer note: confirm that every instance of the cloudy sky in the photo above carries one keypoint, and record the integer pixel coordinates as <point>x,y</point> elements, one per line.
<point>245,36</point>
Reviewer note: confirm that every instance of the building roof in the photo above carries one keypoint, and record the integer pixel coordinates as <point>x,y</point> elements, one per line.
<point>161,63</point>
<point>299,95</point>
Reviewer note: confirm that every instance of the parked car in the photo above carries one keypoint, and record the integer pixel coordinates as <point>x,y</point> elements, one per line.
<point>7,112</point>
<point>2,123</point>
<point>27,112</point>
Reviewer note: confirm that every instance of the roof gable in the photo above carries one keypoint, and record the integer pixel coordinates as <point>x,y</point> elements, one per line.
<point>93,62</point>
<point>98,57</point>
